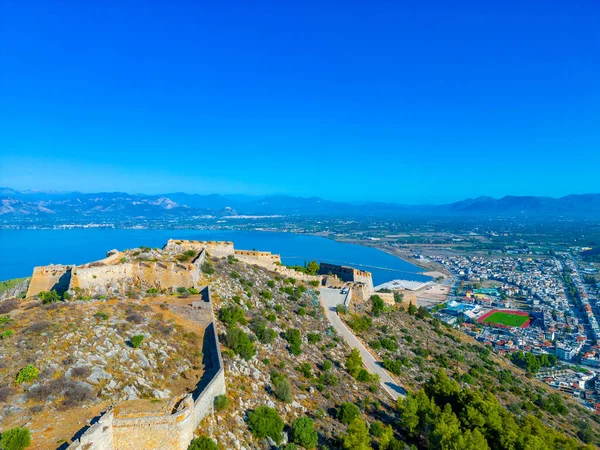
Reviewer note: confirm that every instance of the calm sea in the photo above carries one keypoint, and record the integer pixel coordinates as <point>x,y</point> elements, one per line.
<point>21,250</point>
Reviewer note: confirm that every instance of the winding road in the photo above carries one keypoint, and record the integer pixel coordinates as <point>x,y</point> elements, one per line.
<point>330,298</point>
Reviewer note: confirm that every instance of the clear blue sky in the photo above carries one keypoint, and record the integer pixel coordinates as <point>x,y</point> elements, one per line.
<point>421,101</point>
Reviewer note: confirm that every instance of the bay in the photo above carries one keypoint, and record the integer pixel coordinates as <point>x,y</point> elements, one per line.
<point>21,250</point>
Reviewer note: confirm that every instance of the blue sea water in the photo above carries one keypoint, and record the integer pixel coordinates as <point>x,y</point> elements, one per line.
<point>21,250</point>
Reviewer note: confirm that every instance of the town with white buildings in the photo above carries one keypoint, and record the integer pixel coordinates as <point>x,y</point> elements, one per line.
<point>559,294</point>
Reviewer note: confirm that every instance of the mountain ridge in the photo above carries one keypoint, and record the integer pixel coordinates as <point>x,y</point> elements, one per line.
<point>35,203</point>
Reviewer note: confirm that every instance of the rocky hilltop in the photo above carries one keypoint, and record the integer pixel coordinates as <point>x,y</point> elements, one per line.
<point>199,342</point>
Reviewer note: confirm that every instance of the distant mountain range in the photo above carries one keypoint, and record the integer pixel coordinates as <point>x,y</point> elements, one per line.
<point>107,205</point>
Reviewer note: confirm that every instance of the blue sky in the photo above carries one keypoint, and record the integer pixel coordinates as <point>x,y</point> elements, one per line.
<point>413,102</point>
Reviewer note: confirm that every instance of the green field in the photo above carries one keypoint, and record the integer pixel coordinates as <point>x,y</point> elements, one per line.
<point>502,318</point>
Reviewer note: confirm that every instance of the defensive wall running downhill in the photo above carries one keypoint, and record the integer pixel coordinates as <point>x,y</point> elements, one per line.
<point>169,425</point>
<point>171,428</point>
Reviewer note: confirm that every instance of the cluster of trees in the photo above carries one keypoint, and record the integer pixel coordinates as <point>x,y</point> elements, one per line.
<point>266,422</point>
<point>570,285</point>
<point>354,366</point>
<point>444,416</point>
<point>532,363</point>
<point>312,268</point>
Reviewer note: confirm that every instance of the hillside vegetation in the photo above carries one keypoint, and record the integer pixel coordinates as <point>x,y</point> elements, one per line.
<point>291,381</point>
<point>460,386</point>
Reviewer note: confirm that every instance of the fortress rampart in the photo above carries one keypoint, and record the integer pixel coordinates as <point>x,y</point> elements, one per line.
<point>47,278</point>
<point>362,280</point>
<point>172,428</point>
<point>253,256</point>
<point>214,248</point>
<point>117,274</point>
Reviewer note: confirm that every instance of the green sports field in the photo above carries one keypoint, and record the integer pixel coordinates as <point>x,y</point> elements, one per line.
<point>507,319</point>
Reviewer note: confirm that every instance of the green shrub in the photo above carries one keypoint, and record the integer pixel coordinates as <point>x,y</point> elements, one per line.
<point>266,295</point>
<point>27,374</point>
<point>378,305</point>
<point>193,291</point>
<point>4,320</point>
<point>271,283</point>
<point>363,376</point>
<point>7,333</point>
<point>389,344</point>
<point>136,341</point>
<point>203,443</point>
<point>314,283</point>
<point>101,315</point>
<point>282,389</point>
<point>49,297</point>
<point>301,311</point>
<point>294,338</point>
<point>305,369</point>
<point>208,268</point>
<point>265,421</point>
<point>394,366</point>
<point>347,412</point>
<point>232,315</point>
<point>360,323</point>
<point>327,365</point>
<point>153,291</point>
<point>302,432</point>
<point>15,439</point>
<point>221,402</point>
<point>239,342</point>
<point>313,338</point>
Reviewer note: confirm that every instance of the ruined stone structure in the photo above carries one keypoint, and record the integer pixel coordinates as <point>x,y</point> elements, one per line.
<point>253,256</point>
<point>362,282</point>
<point>213,248</point>
<point>48,278</point>
<point>111,276</point>
<point>170,426</point>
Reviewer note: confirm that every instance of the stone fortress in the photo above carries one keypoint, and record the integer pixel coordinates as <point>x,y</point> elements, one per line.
<point>169,425</point>
<point>361,282</point>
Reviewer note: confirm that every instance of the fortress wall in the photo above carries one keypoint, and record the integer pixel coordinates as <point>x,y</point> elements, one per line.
<point>140,274</point>
<point>252,256</point>
<point>365,278</point>
<point>214,248</point>
<point>98,437</point>
<point>387,297</point>
<point>163,431</point>
<point>46,278</point>
<point>281,270</point>
<point>351,275</point>
<point>112,256</point>
<point>172,431</point>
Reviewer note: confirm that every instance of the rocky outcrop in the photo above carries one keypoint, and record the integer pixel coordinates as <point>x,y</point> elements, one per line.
<point>13,288</point>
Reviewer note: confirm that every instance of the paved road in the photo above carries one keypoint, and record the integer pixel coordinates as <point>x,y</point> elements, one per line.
<point>330,298</point>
